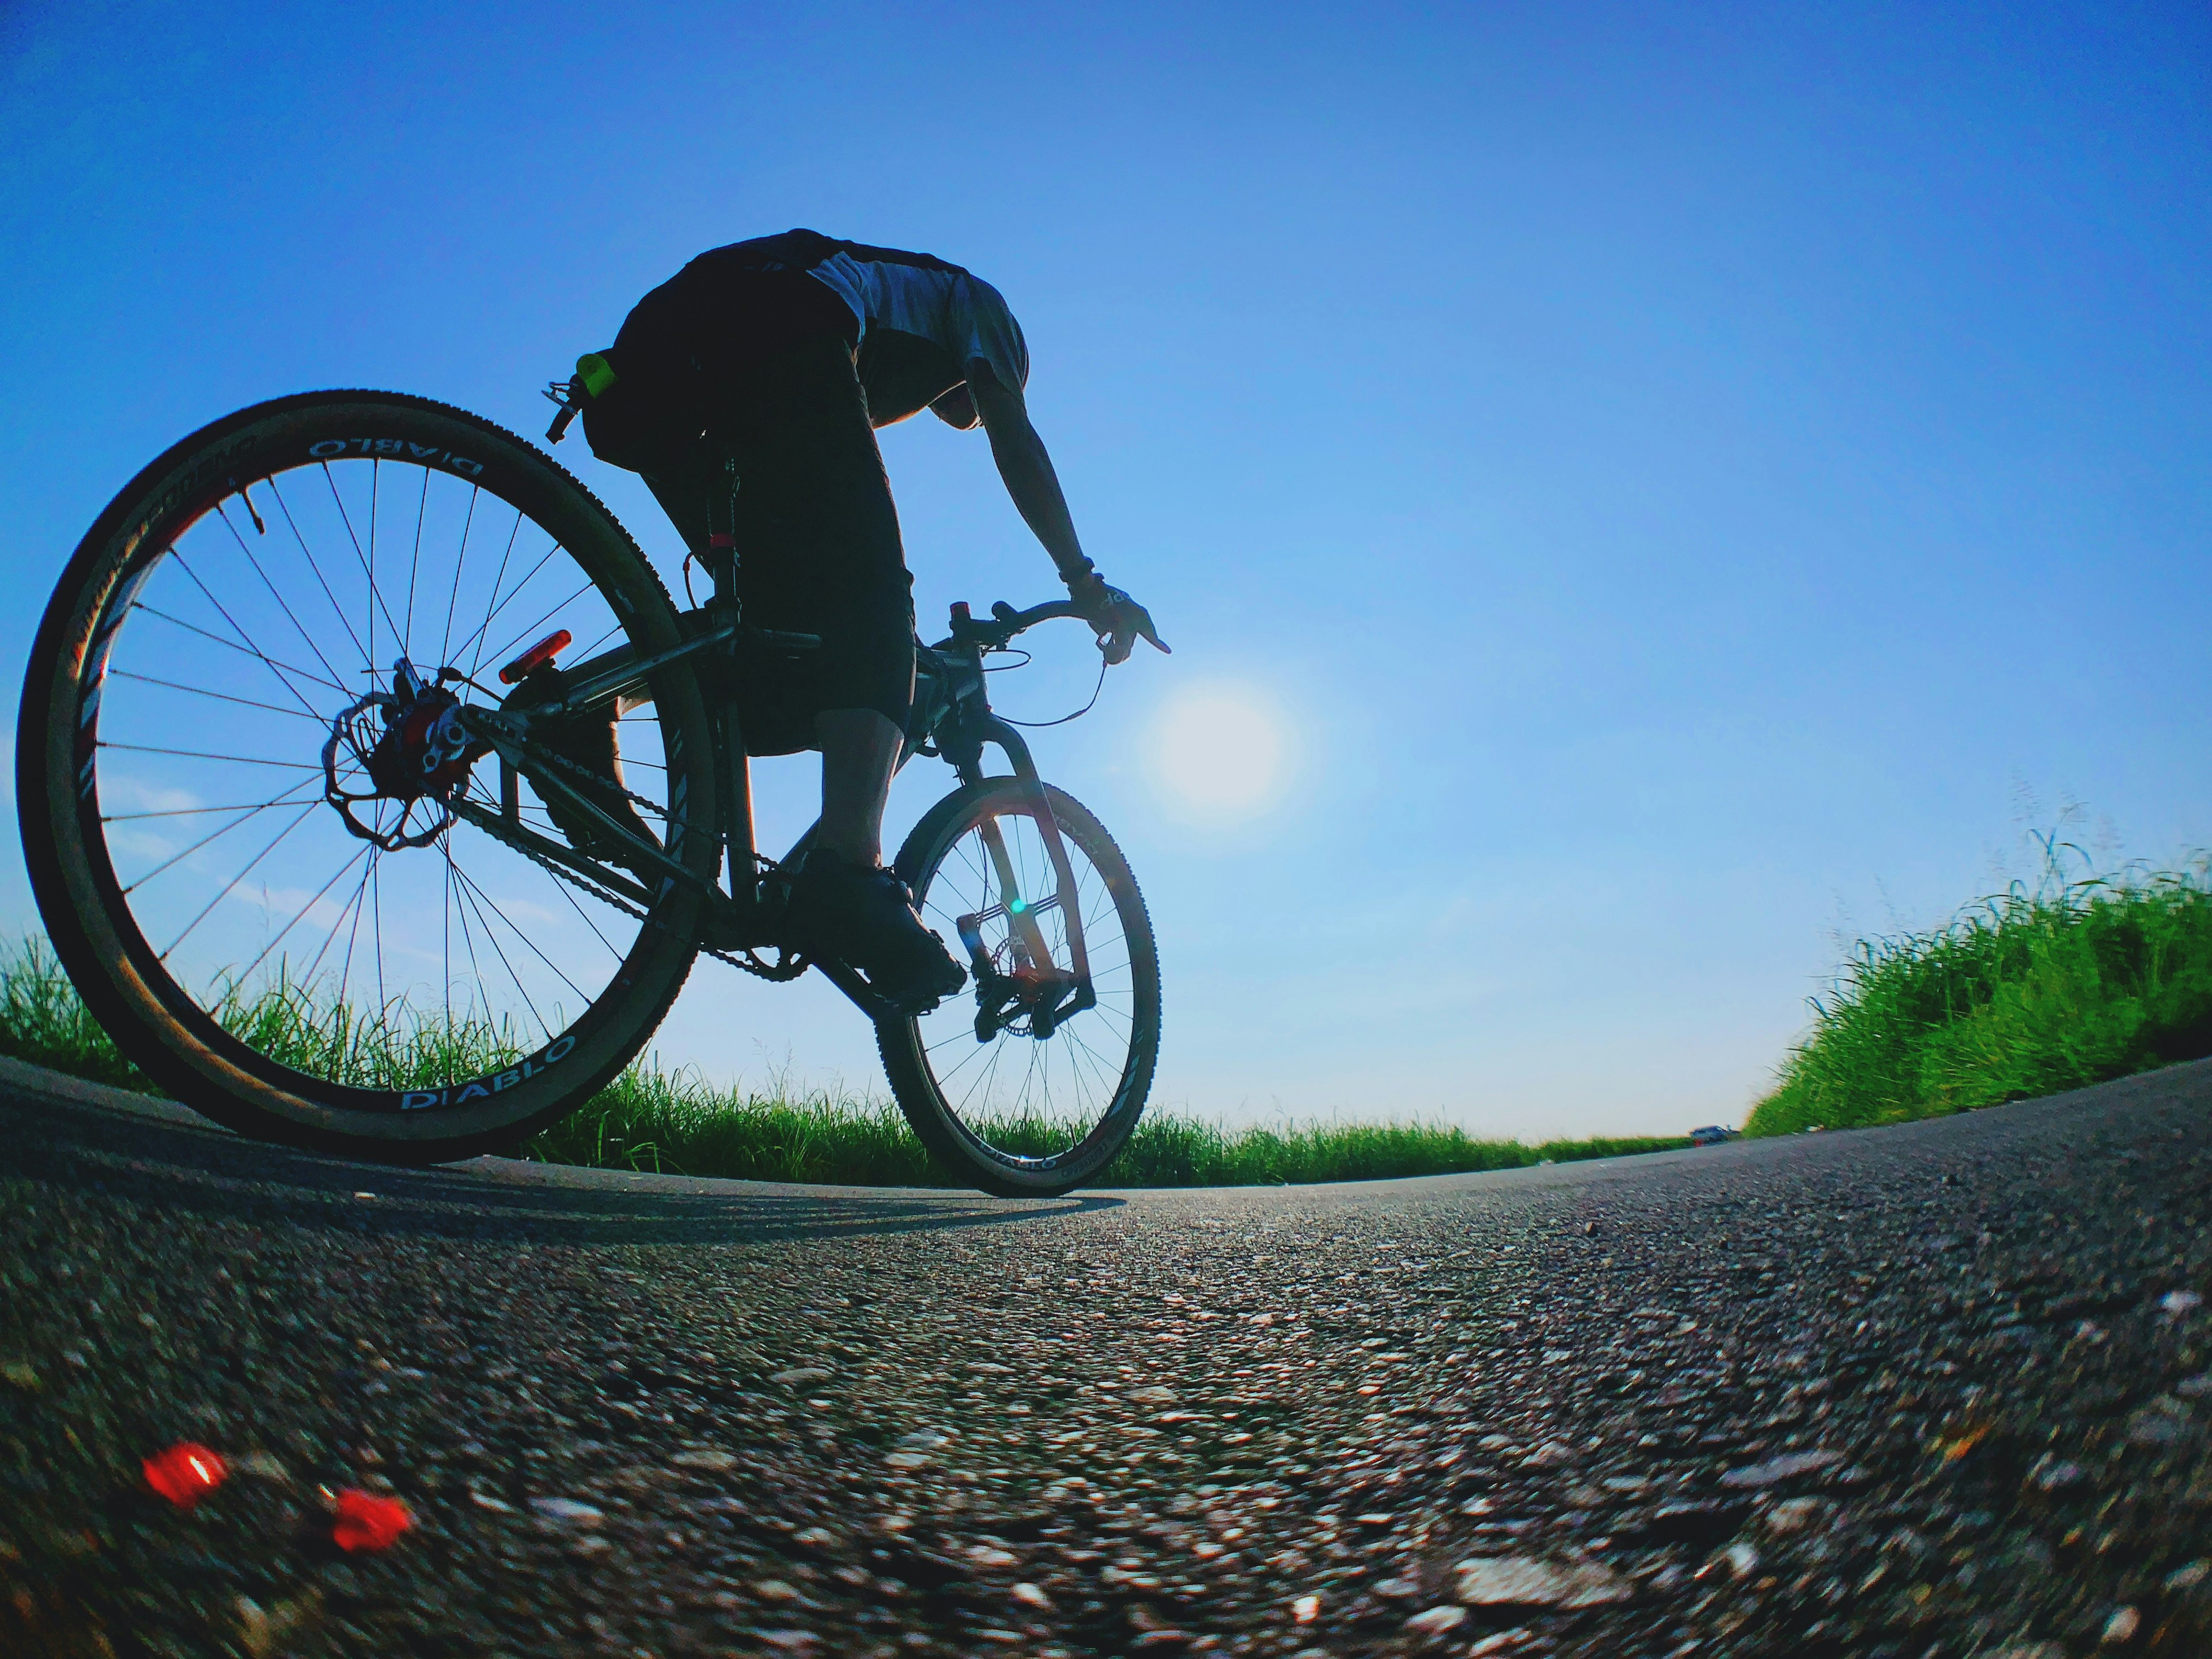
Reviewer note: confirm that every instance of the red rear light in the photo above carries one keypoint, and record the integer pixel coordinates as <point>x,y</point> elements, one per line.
<point>535,658</point>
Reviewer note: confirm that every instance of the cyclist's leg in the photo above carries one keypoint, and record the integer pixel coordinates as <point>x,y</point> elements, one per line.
<point>859,752</point>
<point>820,552</point>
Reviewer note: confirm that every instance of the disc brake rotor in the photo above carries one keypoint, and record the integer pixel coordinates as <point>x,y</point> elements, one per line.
<point>408,745</point>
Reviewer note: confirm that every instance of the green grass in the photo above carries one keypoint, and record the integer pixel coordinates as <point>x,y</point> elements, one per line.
<point>2081,979</point>
<point>677,1122</point>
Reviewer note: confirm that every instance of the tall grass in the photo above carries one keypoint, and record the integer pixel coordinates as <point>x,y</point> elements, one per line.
<point>44,1021</point>
<point>2077,979</point>
<point>677,1122</point>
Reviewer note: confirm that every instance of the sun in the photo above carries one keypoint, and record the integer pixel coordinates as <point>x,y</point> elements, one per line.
<point>1222,751</point>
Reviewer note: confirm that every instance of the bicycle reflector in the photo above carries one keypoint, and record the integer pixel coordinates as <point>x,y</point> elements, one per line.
<point>535,658</point>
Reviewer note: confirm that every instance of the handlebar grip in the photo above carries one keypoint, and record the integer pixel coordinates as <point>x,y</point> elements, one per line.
<point>1007,621</point>
<point>1049,610</point>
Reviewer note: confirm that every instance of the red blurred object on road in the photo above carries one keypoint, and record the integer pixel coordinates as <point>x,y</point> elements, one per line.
<point>366,1522</point>
<point>185,1473</point>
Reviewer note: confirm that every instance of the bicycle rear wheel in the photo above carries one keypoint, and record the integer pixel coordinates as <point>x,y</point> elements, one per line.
<point>1035,1082</point>
<point>223,803</point>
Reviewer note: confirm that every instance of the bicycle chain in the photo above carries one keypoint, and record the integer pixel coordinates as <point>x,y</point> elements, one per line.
<point>789,967</point>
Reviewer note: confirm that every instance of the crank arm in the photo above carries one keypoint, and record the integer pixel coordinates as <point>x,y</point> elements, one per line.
<point>848,981</point>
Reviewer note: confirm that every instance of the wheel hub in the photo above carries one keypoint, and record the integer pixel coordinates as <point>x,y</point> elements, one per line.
<point>408,745</point>
<point>1029,1002</point>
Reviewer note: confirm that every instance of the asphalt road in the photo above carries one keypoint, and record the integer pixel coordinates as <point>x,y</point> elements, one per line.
<point>1937,1389</point>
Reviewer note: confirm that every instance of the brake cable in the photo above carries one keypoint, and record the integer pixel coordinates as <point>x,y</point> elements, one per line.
<point>1039,725</point>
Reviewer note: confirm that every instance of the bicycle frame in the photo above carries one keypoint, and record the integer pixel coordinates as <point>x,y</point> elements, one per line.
<point>952,721</point>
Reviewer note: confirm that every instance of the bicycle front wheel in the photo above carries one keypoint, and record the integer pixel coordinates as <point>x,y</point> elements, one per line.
<point>289,906</point>
<point>1032,1084</point>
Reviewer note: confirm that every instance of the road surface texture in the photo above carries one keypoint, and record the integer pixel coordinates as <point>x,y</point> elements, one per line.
<point>1930,1390</point>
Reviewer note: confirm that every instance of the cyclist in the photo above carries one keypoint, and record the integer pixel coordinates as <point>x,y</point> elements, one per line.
<point>785,352</point>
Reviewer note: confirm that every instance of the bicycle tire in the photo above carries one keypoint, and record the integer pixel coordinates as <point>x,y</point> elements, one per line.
<point>157,1020</point>
<point>959,1134</point>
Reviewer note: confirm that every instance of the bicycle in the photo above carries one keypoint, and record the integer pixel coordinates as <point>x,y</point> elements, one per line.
<point>232,669</point>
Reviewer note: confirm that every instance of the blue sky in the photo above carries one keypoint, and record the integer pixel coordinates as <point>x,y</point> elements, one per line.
<point>1682,481</point>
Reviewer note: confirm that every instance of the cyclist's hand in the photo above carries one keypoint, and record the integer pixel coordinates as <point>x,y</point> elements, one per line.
<point>1119,621</point>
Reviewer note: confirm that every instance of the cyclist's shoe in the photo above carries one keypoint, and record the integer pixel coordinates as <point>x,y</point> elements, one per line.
<point>590,744</point>
<point>866,918</point>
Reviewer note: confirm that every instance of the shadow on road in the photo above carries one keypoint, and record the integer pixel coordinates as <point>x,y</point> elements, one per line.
<point>71,1146</point>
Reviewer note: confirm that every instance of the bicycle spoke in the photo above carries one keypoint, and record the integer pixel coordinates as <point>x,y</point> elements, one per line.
<point>468,938</point>
<point>194,754</point>
<point>183,812</point>
<point>315,565</point>
<point>360,908</point>
<point>212,835</point>
<point>498,580</point>
<point>282,669</point>
<point>460,561</point>
<point>301,911</point>
<point>231,885</point>
<point>281,603</point>
<point>585,654</point>
<point>990,1072</point>
<point>361,888</point>
<point>566,892</point>
<point>470,898</point>
<point>367,559</point>
<point>221,696</point>
<point>484,628</point>
<point>488,899</point>
<point>376,910</point>
<point>375,495</point>
<point>244,638</point>
<point>529,634</point>
<point>415,564</point>
<point>1107,1072</point>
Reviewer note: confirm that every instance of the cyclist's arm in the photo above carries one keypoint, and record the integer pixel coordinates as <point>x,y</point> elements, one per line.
<point>1027,471</point>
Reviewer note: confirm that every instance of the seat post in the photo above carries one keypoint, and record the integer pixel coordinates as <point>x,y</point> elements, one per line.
<point>720,557</point>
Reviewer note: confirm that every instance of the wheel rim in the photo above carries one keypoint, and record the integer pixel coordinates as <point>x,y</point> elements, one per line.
<point>239,687</point>
<point>1030,1104</point>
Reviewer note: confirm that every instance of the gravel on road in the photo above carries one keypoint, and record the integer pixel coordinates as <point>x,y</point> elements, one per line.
<point>1930,1390</point>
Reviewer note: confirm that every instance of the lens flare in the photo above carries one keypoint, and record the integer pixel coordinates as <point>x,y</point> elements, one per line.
<point>1222,751</point>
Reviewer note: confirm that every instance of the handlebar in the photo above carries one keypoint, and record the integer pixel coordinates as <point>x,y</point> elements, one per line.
<point>1007,621</point>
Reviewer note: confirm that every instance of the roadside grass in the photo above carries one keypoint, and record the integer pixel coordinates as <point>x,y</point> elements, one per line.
<point>677,1122</point>
<point>2077,980</point>
<point>43,1020</point>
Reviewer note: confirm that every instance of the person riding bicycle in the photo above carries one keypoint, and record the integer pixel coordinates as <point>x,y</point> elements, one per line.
<point>783,353</point>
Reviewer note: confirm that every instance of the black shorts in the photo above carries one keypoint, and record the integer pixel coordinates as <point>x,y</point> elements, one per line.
<point>749,365</point>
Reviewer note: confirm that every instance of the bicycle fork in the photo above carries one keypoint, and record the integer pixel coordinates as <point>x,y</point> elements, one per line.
<point>1037,987</point>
